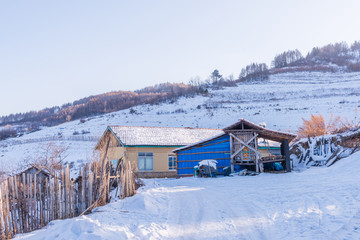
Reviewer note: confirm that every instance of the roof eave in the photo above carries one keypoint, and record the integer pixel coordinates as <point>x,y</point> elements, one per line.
<point>108,128</point>
<point>197,143</point>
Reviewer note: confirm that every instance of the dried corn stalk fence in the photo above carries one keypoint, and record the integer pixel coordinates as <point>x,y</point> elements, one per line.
<point>28,201</point>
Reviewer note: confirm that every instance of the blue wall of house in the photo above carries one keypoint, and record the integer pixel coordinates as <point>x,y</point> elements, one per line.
<point>217,149</point>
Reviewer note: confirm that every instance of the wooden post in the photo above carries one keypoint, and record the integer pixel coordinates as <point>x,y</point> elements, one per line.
<point>286,153</point>
<point>91,178</point>
<point>46,201</point>
<point>17,206</point>
<point>24,203</point>
<point>59,208</point>
<point>12,205</point>
<point>35,211</point>
<point>231,153</point>
<point>56,197</point>
<point>73,197</point>
<point>63,206</point>
<point>29,200</point>
<point>67,190</point>
<point>41,205</point>
<point>259,163</point>
<point>83,202</point>
<point>2,222</point>
<point>51,198</point>
<point>6,193</point>
<point>3,227</point>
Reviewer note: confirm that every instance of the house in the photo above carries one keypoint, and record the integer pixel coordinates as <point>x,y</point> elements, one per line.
<point>149,149</point>
<point>240,145</point>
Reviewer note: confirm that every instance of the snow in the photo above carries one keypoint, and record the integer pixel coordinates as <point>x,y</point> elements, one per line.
<point>320,203</point>
<point>162,136</point>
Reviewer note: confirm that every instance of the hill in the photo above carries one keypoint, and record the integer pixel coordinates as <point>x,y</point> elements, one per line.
<point>335,58</point>
<point>281,102</point>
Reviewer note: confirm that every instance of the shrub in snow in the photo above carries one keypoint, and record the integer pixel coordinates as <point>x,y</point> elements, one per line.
<point>316,126</point>
<point>326,149</point>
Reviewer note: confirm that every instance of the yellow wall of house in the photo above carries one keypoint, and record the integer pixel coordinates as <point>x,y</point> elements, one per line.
<point>115,152</point>
<point>161,161</point>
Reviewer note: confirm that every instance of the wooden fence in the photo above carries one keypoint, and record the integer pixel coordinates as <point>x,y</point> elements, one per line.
<point>50,139</point>
<point>29,201</point>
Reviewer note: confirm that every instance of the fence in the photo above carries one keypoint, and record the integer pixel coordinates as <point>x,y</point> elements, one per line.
<point>50,138</point>
<point>29,201</point>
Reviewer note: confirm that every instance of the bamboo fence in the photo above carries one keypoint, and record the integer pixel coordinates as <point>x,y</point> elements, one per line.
<point>30,201</point>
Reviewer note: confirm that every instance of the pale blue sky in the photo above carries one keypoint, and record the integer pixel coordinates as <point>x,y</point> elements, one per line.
<point>53,52</point>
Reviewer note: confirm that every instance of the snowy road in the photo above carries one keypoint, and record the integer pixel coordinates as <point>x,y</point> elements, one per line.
<point>319,203</point>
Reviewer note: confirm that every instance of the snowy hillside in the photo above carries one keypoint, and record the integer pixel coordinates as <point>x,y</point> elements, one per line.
<point>321,203</point>
<point>281,102</point>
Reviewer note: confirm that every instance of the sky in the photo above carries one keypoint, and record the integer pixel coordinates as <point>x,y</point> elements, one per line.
<point>55,52</point>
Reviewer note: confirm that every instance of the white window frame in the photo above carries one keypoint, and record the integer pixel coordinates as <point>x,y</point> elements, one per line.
<point>173,157</point>
<point>144,156</point>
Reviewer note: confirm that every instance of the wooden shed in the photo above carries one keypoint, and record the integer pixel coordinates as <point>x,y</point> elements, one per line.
<point>240,144</point>
<point>244,150</point>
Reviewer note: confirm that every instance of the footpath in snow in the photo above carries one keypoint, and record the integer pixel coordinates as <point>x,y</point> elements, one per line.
<point>319,203</point>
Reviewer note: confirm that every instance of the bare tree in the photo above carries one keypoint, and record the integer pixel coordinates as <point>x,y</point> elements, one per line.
<point>287,58</point>
<point>50,158</point>
<point>254,71</point>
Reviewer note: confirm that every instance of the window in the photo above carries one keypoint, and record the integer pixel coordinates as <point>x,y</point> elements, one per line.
<point>172,162</point>
<point>145,161</point>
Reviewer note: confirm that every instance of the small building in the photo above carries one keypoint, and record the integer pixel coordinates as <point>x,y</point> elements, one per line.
<point>150,149</point>
<point>36,170</point>
<point>241,145</point>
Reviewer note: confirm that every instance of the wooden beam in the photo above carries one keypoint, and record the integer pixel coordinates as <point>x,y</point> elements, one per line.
<point>201,160</point>
<point>272,160</point>
<point>244,143</point>
<point>202,153</point>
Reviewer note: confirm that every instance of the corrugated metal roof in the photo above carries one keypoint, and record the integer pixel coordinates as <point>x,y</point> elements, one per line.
<point>162,136</point>
<point>199,142</point>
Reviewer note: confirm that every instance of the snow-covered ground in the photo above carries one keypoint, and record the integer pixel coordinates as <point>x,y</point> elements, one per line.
<point>281,102</point>
<point>320,203</point>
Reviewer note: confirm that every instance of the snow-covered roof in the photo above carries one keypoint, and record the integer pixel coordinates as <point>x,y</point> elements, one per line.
<point>244,124</point>
<point>161,136</point>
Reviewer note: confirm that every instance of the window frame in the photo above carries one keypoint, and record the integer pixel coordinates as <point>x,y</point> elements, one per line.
<point>144,157</point>
<point>173,161</point>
